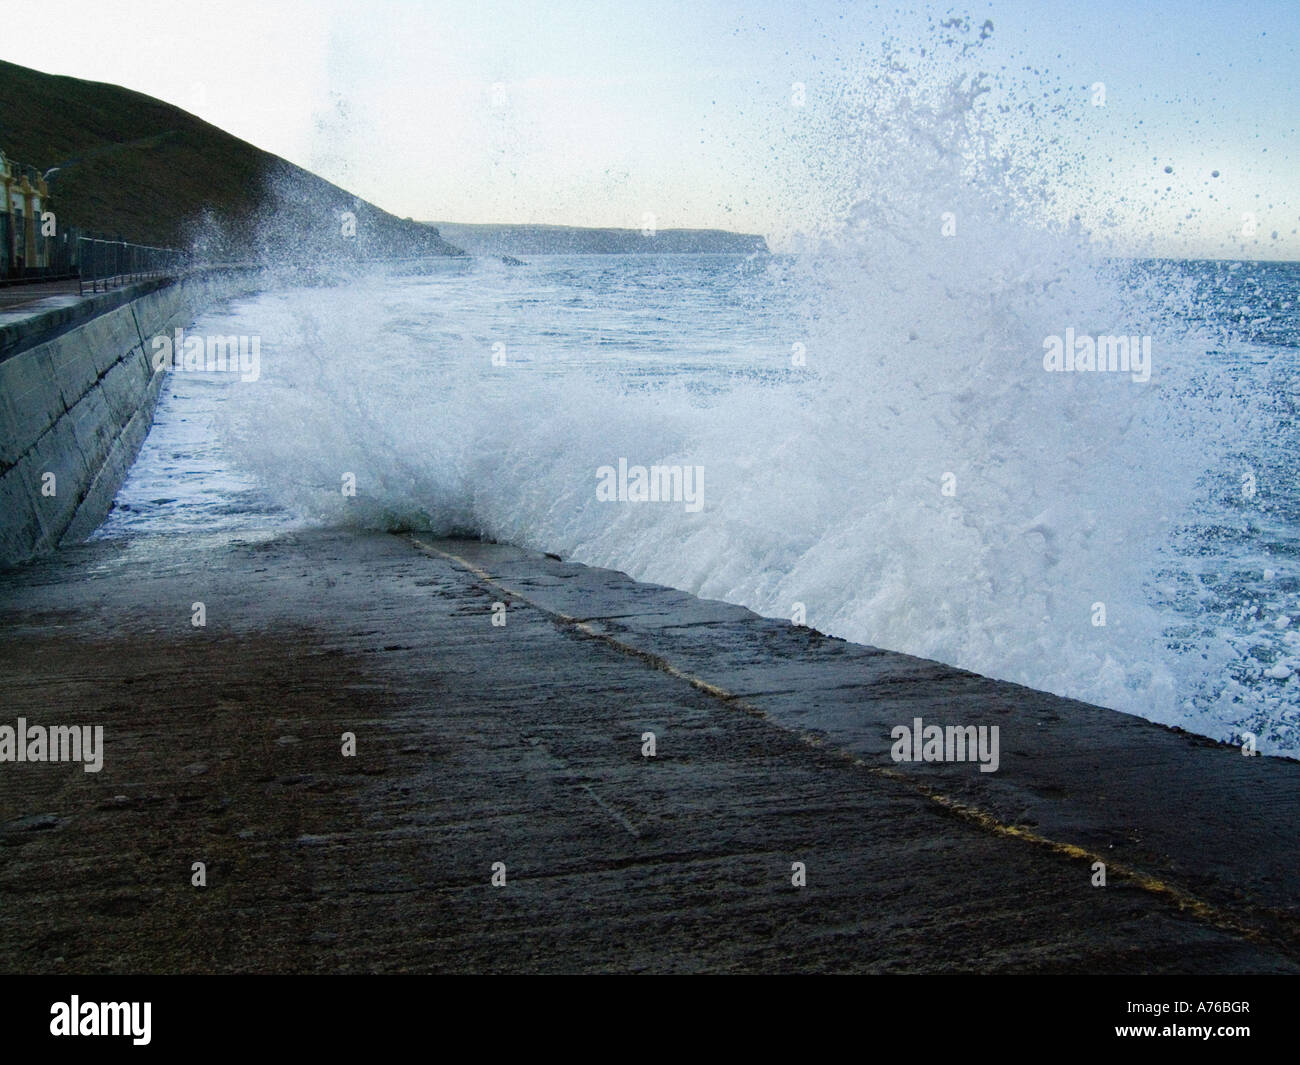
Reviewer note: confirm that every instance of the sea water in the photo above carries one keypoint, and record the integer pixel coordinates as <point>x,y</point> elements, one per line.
<point>885,434</point>
<point>912,480</point>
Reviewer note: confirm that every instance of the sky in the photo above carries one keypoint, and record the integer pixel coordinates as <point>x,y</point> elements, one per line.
<point>700,114</point>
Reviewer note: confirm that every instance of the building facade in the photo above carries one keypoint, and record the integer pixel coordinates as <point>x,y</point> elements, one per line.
<point>23,247</point>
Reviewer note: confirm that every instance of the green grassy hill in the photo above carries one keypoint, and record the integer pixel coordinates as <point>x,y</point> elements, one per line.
<point>134,166</point>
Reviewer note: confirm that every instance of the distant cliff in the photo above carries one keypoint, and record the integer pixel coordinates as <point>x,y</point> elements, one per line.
<point>491,239</point>
<point>130,165</point>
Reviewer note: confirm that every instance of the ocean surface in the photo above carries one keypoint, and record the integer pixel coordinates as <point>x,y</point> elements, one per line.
<point>882,449</point>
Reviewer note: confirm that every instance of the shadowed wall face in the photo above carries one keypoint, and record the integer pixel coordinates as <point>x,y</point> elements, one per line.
<point>74,410</point>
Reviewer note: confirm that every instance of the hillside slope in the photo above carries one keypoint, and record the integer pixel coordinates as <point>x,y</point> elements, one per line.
<point>134,166</point>
<point>492,239</point>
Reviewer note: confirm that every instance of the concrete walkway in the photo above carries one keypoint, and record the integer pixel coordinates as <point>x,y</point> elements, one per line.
<point>522,744</point>
<point>14,296</point>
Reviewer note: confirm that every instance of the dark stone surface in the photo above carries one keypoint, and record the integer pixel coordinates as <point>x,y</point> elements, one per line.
<point>522,744</point>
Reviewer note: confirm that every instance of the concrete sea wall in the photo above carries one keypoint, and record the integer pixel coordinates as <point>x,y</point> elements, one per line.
<point>77,395</point>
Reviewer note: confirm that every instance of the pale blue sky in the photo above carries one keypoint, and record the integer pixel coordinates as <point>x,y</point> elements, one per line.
<point>596,113</point>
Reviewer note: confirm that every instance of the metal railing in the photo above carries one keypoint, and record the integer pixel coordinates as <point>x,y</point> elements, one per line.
<point>97,263</point>
<point>105,264</point>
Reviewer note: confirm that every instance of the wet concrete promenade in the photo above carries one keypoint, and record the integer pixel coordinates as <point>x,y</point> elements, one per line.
<point>524,744</point>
